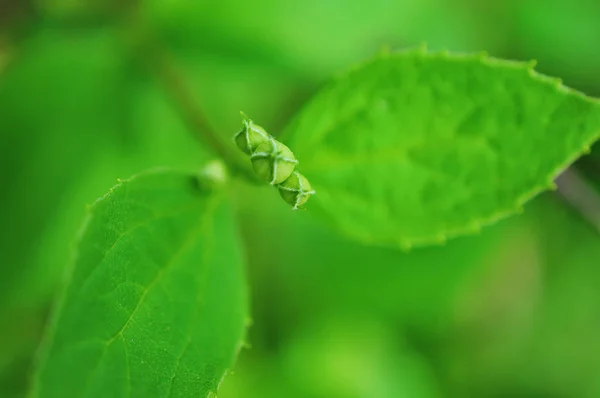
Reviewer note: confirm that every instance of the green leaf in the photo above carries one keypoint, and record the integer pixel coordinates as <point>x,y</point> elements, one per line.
<point>68,99</point>
<point>547,31</point>
<point>415,147</point>
<point>57,109</point>
<point>534,305</point>
<point>284,35</point>
<point>359,356</point>
<point>155,302</point>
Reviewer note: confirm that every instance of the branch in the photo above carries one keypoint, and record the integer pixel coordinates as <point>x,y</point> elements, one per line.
<point>580,195</point>
<point>174,84</point>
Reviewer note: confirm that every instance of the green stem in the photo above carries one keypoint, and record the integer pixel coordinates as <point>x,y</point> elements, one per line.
<point>174,84</point>
<point>580,195</point>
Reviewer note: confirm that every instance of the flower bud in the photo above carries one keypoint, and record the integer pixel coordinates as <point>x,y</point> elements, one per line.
<point>296,190</point>
<point>273,162</point>
<point>251,136</point>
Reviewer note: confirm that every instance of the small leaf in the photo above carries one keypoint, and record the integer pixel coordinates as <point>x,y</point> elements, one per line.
<point>155,303</point>
<point>415,147</point>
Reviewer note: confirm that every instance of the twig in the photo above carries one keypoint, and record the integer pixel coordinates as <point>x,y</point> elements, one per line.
<point>580,195</point>
<point>174,84</point>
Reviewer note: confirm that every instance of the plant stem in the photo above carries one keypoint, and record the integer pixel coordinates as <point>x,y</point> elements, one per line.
<point>580,195</point>
<point>174,84</point>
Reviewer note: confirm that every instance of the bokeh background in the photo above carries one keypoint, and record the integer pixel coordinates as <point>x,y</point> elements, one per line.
<point>512,312</point>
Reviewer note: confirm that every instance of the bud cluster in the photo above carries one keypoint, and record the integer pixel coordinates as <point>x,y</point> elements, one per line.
<point>273,162</point>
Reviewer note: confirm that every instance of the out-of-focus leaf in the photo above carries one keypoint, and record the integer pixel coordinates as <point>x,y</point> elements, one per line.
<point>58,116</point>
<point>408,292</point>
<point>19,338</point>
<point>358,358</point>
<point>534,308</point>
<point>76,114</point>
<point>566,325</point>
<point>415,147</point>
<point>59,110</point>
<point>563,36</point>
<point>413,288</point>
<point>155,300</point>
<point>285,35</point>
<point>258,375</point>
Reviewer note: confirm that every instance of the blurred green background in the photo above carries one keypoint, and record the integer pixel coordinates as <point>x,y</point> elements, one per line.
<point>512,312</point>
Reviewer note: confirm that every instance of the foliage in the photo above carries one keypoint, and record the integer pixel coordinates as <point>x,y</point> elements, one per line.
<point>154,304</point>
<point>425,149</point>
<point>414,147</point>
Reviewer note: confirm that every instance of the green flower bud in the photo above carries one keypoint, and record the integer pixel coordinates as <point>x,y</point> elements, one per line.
<point>251,136</point>
<point>273,162</point>
<point>296,190</point>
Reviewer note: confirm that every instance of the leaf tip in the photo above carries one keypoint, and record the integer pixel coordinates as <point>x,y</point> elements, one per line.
<point>531,64</point>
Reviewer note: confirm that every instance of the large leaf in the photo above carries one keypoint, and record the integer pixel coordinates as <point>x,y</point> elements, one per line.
<point>57,109</point>
<point>284,34</point>
<point>414,147</point>
<point>155,301</point>
<point>534,308</point>
<point>68,98</point>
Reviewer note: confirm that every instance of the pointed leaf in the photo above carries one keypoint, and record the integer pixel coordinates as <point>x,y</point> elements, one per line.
<point>155,302</point>
<point>414,147</point>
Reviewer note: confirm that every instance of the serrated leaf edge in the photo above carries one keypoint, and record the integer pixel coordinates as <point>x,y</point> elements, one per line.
<point>50,328</point>
<point>473,226</point>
